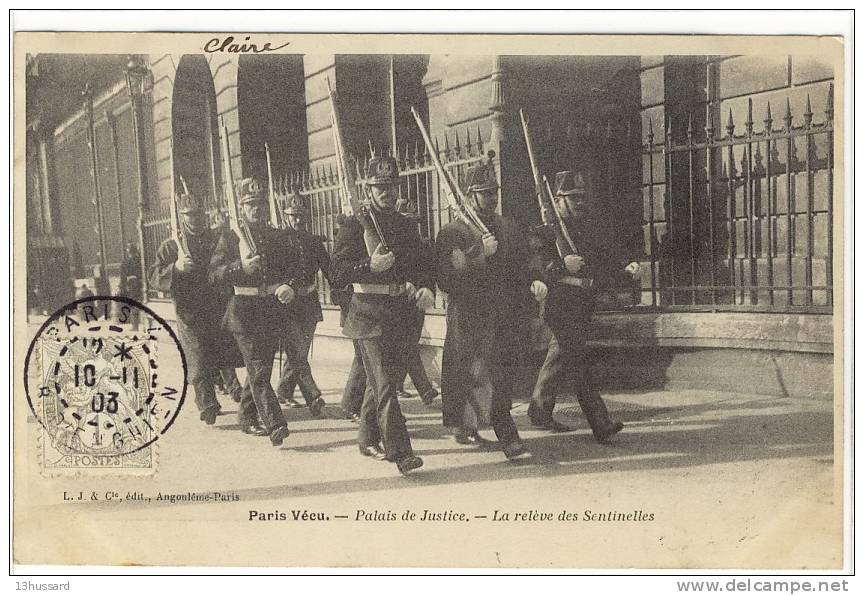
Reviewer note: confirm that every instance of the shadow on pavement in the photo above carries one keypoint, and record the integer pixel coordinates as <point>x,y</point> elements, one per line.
<point>655,438</point>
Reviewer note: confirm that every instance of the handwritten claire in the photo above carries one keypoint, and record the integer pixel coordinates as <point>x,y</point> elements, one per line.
<point>244,47</point>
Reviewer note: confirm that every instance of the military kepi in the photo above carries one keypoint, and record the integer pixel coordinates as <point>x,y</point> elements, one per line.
<point>568,183</point>
<point>382,170</point>
<point>481,177</point>
<point>250,190</point>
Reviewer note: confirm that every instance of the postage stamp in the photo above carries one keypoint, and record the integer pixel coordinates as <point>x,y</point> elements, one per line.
<point>95,385</point>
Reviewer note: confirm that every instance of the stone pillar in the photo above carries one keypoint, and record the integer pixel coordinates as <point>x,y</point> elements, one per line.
<point>497,107</point>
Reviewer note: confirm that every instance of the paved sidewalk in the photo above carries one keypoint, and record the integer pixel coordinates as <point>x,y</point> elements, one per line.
<point>732,480</point>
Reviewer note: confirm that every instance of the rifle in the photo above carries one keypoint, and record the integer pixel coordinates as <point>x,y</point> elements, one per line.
<point>275,219</point>
<point>455,197</point>
<point>237,224</point>
<point>176,234</point>
<point>548,209</point>
<point>347,182</point>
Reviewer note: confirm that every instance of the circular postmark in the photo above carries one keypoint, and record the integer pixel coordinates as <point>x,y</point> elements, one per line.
<point>103,390</point>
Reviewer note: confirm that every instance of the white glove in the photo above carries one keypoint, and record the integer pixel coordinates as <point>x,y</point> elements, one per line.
<point>490,245</point>
<point>251,265</point>
<point>381,261</point>
<point>284,293</point>
<point>184,264</point>
<point>539,290</point>
<point>424,299</point>
<point>573,263</point>
<point>410,290</point>
<point>633,268</point>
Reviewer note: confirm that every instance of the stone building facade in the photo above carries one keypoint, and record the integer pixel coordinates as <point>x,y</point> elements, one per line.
<point>736,268</point>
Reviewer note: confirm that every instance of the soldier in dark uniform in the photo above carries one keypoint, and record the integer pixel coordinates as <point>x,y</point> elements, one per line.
<point>416,369</point>
<point>355,385</point>
<point>264,285</point>
<point>388,288</point>
<point>199,306</point>
<point>489,281</point>
<point>304,312</point>
<point>570,305</point>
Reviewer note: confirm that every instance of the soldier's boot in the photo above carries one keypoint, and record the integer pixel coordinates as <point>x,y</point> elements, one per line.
<point>541,417</point>
<point>209,415</point>
<point>285,395</point>
<point>603,426</point>
<point>408,463</point>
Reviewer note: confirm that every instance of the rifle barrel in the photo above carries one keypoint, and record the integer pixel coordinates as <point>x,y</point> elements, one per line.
<point>455,198</point>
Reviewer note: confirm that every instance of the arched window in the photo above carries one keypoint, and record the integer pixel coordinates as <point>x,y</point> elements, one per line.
<point>272,102</point>
<point>194,127</point>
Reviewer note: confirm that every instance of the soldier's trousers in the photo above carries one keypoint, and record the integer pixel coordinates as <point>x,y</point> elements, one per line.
<point>568,365</point>
<point>259,401</point>
<point>230,382</point>
<point>197,345</point>
<point>415,368</point>
<point>296,370</point>
<point>380,416</point>
<point>355,388</point>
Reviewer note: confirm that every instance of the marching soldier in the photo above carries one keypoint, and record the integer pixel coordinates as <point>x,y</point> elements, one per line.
<point>416,370</point>
<point>199,306</point>
<point>264,285</point>
<point>569,307</point>
<point>388,288</point>
<point>489,281</point>
<point>304,313</point>
<point>355,385</point>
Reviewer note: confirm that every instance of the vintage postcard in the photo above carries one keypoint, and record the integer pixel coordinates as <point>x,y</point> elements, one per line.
<point>428,301</point>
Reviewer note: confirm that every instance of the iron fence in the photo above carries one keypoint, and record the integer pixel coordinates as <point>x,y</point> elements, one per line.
<point>729,219</point>
<point>420,187</point>
<point>741,221</point>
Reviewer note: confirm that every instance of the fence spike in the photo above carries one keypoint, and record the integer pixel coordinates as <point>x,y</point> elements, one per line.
<point>829,104</point>
<point>457,147</point>
<point>480,139</point>
<point>730,125</point>
<point>768,121</point>
<point>417,152</point>
<point>446,146</point>
<point>787,119</point>
<point>690,127</point>
<point>808,112</point>
<point>332,174</point>
<point>757,158</point>
<point>749,123</point>
<point>468,142</point>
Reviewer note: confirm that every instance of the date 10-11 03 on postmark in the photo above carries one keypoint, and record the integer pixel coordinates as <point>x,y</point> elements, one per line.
<point>104,390</point>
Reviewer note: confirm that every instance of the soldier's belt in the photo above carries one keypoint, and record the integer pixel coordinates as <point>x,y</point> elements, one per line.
<point>256,291</point>
<point>391,289</point>
<point>576,281</point>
